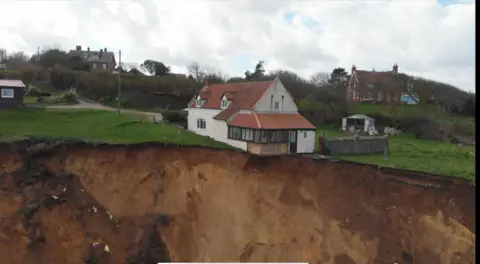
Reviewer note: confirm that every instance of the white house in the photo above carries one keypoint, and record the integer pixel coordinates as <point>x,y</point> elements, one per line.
<point>259,117</point>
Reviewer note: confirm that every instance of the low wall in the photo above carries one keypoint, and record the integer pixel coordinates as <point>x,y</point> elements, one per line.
<point>354,145</point>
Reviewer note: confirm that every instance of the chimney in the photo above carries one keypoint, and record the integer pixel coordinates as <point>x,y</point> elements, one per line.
<point>79,47</point>
<point>354,68</point>
<point>88,49</point>
<point>105,49</point>
<point>395,68</point>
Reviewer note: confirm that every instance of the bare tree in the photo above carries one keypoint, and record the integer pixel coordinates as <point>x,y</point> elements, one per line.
<point>3,54</point>
<point>320,79</point>
<point>18,56</point>
<point>196,71</point>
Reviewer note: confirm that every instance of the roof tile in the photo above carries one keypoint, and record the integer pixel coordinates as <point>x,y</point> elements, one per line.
<point>271,121</point>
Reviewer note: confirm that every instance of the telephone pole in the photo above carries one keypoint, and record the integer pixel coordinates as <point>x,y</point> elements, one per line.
<point>119,80</point>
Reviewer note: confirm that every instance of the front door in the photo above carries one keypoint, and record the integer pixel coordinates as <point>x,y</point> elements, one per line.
<point>293,141</point>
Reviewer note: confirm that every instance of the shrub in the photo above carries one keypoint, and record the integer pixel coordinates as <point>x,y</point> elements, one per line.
<point>70,98</point>
<point>175,116</point>
<point>40,100</point>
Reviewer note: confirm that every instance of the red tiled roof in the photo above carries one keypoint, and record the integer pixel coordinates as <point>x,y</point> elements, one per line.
<point>372,77</point>
<point>271,121</point>
<point>243,96</point>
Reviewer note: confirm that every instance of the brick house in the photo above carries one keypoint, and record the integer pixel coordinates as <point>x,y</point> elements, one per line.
<point>102,60</point>
<point>374,86</point>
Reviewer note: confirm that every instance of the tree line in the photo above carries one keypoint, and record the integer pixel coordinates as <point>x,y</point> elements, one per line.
<point>322,92</point>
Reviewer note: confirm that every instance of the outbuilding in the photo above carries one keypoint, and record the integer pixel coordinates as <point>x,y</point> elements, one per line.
<point>359,124</point>
<point>11,93</point>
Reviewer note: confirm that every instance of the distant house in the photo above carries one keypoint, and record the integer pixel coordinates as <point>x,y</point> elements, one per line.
<point>374,86</point>
<point>101,60</point>
<point>259,117</point>
<point>11,93</point>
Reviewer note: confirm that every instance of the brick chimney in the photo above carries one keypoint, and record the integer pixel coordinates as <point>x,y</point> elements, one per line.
<point>395,68</point>
<point>79,47</point>
<point>88,49</point>
<point>354,68</point>
<point>105,49</point>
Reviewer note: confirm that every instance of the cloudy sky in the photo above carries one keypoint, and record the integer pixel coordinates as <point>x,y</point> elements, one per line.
<point>428,38</point>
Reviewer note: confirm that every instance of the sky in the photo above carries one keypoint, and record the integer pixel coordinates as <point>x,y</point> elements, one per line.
<point>428,38</point>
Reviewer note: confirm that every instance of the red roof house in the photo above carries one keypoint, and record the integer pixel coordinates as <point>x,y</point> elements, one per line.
<point>260,117</point>
<point>374,86</point>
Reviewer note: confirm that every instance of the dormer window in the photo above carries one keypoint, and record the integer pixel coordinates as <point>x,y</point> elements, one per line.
<point>199,102</point>
<point>225,103</point>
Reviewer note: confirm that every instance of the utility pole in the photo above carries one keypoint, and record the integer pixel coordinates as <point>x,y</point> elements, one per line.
<point>119,80</point>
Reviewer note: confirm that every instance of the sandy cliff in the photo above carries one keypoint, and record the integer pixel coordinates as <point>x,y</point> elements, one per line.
<point>75,203</point>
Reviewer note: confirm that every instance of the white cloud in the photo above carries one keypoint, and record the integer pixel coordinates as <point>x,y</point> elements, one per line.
<point>424,37</point>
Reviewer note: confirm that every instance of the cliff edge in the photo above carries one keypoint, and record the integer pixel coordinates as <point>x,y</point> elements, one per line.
<point>77,202</point>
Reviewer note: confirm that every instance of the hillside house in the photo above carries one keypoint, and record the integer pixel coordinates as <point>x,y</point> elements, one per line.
<point>259,117</point>
<point>11,93</point>
<point>373,86</point>
<point>102,60</point>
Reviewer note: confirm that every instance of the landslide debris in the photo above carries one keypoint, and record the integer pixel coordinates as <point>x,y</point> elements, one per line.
<point>79,202</point>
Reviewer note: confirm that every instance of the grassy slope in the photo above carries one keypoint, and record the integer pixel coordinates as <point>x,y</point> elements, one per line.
<point>94,125</point>
<point>411,153</point>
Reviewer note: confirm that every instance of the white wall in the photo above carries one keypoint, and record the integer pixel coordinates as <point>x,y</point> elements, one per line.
<point>277,90</point>
<point>305,144</point>
<point>216,129</point>
<point>207,114</point>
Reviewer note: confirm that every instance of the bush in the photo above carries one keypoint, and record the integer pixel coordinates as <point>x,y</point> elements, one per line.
<point>40,100</point>
<point>70,98</point>
<point>175,116</point>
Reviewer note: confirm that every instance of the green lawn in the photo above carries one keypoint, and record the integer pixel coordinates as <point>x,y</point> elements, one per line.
<point>408,152</point>
<point>94,125</point>
<point>405,150</point>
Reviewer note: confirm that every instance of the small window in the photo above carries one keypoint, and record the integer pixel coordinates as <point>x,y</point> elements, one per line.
<point>304,134</point>
<point>201,123</point>
<point>7,93</point>
<point>224,103</point>
<point>94,66</point>
<point>104,66</point>
<point>277,105</point>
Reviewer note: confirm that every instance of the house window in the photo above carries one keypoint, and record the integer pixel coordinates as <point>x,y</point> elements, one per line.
<point>304,134</point>
<point>104,66</point>
<point>224,103</point>
<point>7,93</point>
<point>201,123</point>
<point>277,105</point>
<point>94,65</point>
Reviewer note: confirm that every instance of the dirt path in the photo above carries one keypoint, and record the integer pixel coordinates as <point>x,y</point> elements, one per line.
<point>83,104</point>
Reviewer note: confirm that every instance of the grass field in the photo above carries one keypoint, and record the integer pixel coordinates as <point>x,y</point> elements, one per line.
<point>405,150</point>
<point>408,152</point>
<point>94,125</point>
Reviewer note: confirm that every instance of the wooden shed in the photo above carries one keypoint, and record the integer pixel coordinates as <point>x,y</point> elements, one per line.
<point>11,94</point>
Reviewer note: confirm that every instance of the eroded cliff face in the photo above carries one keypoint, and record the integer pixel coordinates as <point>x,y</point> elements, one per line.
<point>80,203</point>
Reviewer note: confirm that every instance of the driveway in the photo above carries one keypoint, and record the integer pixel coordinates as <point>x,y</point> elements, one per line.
<point>87,104</point>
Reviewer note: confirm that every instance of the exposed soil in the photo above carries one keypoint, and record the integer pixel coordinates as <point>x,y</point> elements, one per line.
<point>75,203</point>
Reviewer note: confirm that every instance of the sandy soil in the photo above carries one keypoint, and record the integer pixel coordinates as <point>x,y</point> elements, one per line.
<point>153,202</point>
